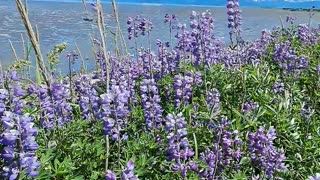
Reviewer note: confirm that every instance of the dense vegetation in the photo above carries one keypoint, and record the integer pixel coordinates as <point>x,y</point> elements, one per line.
<point>192,109</point>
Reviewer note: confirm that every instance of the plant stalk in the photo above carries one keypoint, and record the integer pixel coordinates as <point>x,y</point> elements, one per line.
<point>34,40</point>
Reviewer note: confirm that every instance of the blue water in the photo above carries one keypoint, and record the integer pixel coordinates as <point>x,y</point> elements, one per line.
<point>244,3</point>
<point>59,21</point>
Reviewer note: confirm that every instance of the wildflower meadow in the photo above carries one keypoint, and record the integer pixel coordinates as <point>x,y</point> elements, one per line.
<point>188,106</point>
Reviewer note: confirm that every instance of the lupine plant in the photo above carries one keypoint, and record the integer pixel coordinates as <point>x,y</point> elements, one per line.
<point>18,136</point>
<point>191,108</point>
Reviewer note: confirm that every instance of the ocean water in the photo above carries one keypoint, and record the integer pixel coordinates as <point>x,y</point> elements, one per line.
<point>60,22</point>
<point>244,3</point>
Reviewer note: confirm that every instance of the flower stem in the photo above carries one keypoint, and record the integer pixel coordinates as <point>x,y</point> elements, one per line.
<point>195,145</point>
<point>107,152</point>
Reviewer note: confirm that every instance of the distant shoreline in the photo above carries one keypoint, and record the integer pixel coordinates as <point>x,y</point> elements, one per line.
<point>263,6</point>
<point>301,9</point>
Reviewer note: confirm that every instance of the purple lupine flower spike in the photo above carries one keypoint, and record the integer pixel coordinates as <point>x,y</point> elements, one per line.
<point>234,16</point>
<point>4,95</point>
<point>151,104</point>
<point>128,173</point>
<point>183,89</point>
<point>138,26</point>
<point>315,177</point>
<point>94,7</point>
<point>278,87</point>
<point>250,106</point>
<point>114,109</point>
<point>18,136</point>
<point>225,152</point>
<point>288,60</point>
<point>87,97</point>
<point>110,175</point>
<point>19,127</point>
<point>263,153</point>
<point>213,101</point>
<point>179,151</point>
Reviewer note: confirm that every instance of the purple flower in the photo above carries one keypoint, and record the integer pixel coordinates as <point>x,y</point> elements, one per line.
<point>306,35</point>
<point>179,151</point>
<point>13,76</point>
<point>151,104</point>
<point>169,18</point>
<point>306,111</point>
<point>10,173</point>
<point>114,109</point>
<point>197,44</point>
<point>63,111</point>
<point>264,155</point>
<point>47,117</point>
<point>110,175</point>
<point>288,61</point>
<point>72,56</point>
<point>183,86</point>
<point>145,26</point>
<point>193,166</point>
<point>315,177</point>
<point>4,96</point>
<point>234,16</point>
<point>18,136</point>
<point>225,152</point>
<point>54,107</point>
<point>29,162</point>
<point>290,19</point>
<point>213,101</point>
<point>18,91</point>
<point>128,173</point>
<point>94,6</point>
<point>87,97</point>
<point>148,61</point>
<point>166,60</point>
<point>197,78</point>
<point>278,87</point>
<point>138,26</point>
<point>250,106</point>
<point>18,127</point>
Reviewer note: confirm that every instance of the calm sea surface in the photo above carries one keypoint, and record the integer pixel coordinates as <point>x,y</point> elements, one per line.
<point>63,22</point>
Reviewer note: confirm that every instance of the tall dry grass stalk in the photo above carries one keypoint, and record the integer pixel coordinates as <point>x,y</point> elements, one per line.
<point>84,6</point>
<point>118,32</point>
<point>26,5</point>
<point>103,42</point>
<point>26,55</point>
<point>13,51</point>
<point>24,47</point>
<point>106,58</point>
<point>94,50</point>
<point>83,66</point>
<point>34,39</point>
<point>1,72</point>
<point>15,56</point>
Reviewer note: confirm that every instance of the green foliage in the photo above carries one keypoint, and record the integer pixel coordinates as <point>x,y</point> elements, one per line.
<point>78,152</point>
<point>53,56</point>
